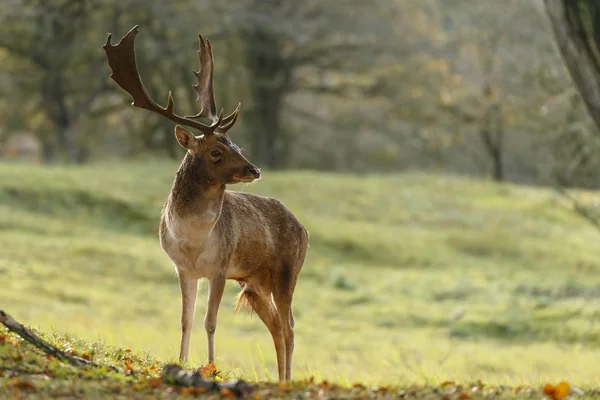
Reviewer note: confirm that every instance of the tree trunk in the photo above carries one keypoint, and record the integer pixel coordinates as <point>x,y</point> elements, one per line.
<point>269,79</point>
<point>498,165</point>
<point>48,151</point>
<point>574,40</point>
<point>492,135</point>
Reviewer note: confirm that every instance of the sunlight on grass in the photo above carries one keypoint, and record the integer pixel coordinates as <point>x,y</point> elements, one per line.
<point>409,278</point>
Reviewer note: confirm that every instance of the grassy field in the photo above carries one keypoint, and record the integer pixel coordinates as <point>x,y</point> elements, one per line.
<point>410,278</point>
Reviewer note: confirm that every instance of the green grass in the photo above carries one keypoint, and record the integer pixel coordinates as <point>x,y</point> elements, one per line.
<point>410,278</point>
<point>26,373</point>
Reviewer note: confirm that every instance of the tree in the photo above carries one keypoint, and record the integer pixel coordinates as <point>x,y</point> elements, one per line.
<point>46,36</point>
<point>289,47</point>
<point>576,25</point>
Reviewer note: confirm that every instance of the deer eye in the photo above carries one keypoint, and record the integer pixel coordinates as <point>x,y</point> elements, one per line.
<point>215,153</point>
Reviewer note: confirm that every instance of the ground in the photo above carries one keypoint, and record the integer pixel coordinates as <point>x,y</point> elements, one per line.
<point>411,279</point>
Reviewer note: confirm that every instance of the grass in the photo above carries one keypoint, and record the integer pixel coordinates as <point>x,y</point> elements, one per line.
<point>409,277</point>
<point>27,374</point>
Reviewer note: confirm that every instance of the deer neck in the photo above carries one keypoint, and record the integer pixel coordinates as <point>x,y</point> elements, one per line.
<point>194,195</point>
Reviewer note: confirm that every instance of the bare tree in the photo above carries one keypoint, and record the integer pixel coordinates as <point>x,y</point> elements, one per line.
<point>576,26</point>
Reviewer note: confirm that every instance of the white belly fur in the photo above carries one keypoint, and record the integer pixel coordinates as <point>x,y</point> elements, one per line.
<point>193,247</point>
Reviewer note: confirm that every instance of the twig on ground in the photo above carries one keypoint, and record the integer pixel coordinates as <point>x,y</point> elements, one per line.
<point>175,375</point>
<point>46,347</point>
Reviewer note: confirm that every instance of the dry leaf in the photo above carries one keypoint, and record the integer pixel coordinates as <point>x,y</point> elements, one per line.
<point>549,390</point>
<point>155,382</point>
<point>464,395</point>
<point>207,371</point>
<point>23,384</point>
<point>192,391</point>
<point>446,383</point>
<point>128,365</point>
<point>558,392</point>
<point>562,390</point>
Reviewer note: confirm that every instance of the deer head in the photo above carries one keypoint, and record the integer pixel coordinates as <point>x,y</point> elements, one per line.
<point>213,150</point>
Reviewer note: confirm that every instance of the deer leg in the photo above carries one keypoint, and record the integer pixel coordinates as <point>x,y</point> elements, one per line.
<point>267,312</point>
<point>189,290</point>
<point>289,346</point>
<point>287,318</point>
<point>215,293</point>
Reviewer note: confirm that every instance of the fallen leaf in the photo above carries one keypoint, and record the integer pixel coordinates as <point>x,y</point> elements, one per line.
<point>23,384</point>
<point>155,382</point>
<point>208,371</point>
<point>446,383</point>
<point>549,390</point>
<point>562,390</point>
<point>464,395</point>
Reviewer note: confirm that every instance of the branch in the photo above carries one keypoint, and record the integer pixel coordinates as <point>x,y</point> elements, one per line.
<point>46,347</point>
<point>175,375</point>
<point>578,208</point>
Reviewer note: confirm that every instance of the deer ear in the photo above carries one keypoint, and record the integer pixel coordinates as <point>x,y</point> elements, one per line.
<point>185,138</point>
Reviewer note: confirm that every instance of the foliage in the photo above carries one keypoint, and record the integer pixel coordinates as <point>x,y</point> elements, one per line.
<point>371,86</point>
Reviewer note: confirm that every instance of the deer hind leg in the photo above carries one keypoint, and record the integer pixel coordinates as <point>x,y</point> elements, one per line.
<point>189,291</point>
<point>266,310</point>
<point>283,301</point>
<point>283,291</point>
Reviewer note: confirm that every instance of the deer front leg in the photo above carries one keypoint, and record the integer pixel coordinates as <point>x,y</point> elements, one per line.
<point>189,290</point>
<point>215,293</point>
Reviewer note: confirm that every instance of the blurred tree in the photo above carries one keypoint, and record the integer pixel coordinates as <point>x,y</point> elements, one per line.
<point>47,37</point>
<point>290,46</point>
<point>576,26</point>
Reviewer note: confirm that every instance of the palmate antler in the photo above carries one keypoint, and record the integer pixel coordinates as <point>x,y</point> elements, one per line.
<point>121,59</point>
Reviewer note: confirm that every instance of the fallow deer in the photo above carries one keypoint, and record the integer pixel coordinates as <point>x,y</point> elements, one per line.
<point>210,232</point>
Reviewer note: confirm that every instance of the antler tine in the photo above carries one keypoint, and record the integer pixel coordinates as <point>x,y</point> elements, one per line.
<point>230,120</point>
<point>204,86</point>
<point>121,59</point>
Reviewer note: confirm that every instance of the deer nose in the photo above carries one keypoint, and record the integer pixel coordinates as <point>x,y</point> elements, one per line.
<point>252,170</point>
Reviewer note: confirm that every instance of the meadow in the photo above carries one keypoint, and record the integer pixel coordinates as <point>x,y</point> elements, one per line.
<point>410,277</point>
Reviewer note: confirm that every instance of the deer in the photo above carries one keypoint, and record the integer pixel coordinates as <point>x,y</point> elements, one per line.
<point>210,232</point>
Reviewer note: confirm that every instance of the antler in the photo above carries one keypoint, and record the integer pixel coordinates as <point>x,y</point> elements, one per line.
<point>121,59</point>
<point>204,87</point>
